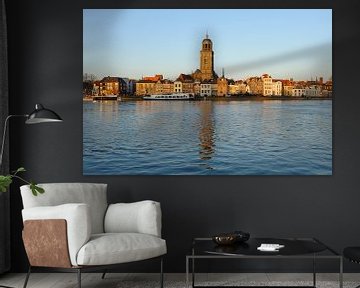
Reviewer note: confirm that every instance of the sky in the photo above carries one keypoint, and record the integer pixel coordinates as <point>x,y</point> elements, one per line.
<point>132,43</point>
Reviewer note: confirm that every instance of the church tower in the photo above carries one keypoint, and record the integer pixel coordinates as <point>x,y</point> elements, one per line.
<point>207,59</point>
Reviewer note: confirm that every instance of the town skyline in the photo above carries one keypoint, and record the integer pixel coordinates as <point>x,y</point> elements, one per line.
<point>93,77</point>
<point>135,57</point>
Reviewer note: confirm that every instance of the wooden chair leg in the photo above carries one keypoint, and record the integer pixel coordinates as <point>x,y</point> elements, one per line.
<point>27,277</point>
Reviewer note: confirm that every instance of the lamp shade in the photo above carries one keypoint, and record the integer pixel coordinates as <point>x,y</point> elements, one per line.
<point>42,115</point>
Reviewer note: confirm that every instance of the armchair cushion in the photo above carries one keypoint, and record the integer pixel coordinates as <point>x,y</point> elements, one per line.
<point>78,221</point>
<point>138,217</point>
<point>93,194</point>
<point>113,248</point>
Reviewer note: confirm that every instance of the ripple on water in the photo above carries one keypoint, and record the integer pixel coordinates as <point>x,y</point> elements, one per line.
<point>208,138</point>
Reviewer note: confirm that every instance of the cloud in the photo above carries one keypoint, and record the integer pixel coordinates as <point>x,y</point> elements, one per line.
<point>321,53</point>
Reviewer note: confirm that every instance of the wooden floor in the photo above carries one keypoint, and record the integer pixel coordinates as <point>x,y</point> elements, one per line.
<point>116,280</point>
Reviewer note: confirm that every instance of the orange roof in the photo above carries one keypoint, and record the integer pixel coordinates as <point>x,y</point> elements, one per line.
<point>155,78</point>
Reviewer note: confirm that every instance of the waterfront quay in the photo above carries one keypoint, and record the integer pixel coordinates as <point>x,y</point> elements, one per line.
<point>211,98</point>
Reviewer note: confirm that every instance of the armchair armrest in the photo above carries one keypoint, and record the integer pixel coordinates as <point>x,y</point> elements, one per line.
<point>138,217</point>
<point>77,219</point>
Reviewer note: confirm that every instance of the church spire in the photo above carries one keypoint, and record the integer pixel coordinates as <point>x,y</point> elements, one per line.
<point>223,73</point>
<point>207,34</point>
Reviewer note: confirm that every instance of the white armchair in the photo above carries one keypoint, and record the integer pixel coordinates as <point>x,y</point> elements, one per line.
<point>72,228</point>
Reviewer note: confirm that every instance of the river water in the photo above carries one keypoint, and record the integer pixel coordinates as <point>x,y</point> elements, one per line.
<point>272,137</point>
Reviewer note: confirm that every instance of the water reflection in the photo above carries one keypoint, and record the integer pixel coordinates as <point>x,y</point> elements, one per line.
<point>207,138</point>
<point>108,110</point>
<point>206,131</point>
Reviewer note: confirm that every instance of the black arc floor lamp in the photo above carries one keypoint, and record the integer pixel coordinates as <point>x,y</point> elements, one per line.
<point>39,115</point>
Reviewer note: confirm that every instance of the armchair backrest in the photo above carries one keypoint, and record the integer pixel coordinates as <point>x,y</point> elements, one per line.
<point>92,194</point>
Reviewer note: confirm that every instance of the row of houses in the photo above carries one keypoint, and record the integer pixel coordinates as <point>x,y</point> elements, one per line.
<point>264,85</point>
<point>307,88</point>
<point>109,86</point>
<point>216,87</point>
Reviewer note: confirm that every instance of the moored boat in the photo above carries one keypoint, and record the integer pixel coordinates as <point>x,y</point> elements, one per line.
<point>179,96</point>
<point>111,97</point>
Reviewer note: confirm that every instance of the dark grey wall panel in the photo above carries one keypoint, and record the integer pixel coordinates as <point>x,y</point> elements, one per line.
<point>45,43</point>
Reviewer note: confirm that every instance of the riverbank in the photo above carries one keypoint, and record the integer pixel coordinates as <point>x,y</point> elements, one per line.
<point>231,98</point>
<point>263,98</point>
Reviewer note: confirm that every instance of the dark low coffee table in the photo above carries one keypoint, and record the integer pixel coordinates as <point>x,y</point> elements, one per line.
<point>294,248</point>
